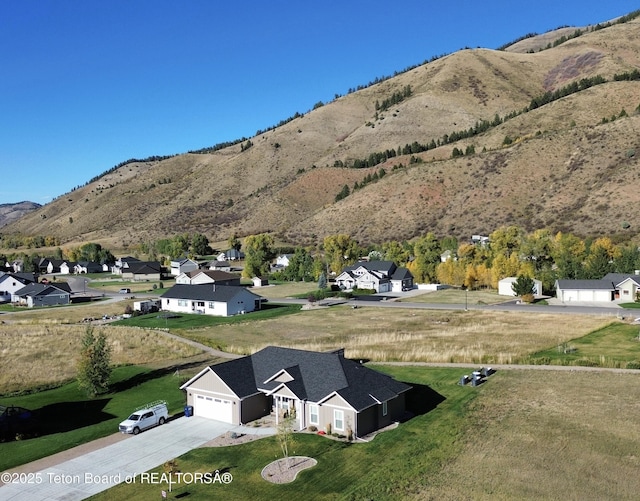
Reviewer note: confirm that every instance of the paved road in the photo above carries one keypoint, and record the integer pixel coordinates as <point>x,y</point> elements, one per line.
<point>100,469</point>
<point>612,310</point>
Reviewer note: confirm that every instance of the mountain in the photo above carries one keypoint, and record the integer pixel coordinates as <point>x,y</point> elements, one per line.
<point>12,212</point>
<point>567,164</point>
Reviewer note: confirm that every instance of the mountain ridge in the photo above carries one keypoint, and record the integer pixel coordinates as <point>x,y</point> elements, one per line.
<point>286,183</point>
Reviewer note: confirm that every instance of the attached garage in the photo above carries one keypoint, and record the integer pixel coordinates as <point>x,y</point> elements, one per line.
<point>585,291</point>
<point>212,407</point>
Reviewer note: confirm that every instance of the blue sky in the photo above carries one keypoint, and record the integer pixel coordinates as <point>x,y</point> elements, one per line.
<point>87,84</point>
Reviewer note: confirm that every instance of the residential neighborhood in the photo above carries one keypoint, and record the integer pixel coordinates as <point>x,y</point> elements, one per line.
<point>320,252</point>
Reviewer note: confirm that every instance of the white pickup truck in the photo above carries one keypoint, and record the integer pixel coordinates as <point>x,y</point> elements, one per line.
<point>153,414</point>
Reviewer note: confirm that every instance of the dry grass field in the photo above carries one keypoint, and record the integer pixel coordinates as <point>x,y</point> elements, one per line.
<point>547,435</point>
<point>43,355</point>
<point>393,334</point>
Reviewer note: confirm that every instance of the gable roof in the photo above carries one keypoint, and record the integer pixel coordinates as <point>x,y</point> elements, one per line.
<point>401,274</point>
<point>23,278</point>
<point>212,274</point>
<point>144,267</point>
<point>618,278</point>
<point>315,376</point>
<point>385,267</point>
<point>585,284</point>
<point>37,289</point>
<point>206,292</point>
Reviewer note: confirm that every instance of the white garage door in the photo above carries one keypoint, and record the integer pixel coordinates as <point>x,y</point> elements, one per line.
<point>213,408</point>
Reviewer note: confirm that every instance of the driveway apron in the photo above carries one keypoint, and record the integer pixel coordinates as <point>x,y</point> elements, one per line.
<point>96,471</point>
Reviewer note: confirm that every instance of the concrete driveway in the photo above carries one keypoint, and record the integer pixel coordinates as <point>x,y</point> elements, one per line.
<point>93,472</point>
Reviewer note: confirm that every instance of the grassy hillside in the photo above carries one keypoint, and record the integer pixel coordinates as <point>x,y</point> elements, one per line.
<point>564,168</point>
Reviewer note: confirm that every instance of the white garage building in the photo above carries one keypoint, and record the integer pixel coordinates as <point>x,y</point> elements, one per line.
<point>585,291</point>
<point>505,287</point>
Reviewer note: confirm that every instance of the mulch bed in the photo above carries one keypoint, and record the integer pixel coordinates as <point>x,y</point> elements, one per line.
<point>283,471</point>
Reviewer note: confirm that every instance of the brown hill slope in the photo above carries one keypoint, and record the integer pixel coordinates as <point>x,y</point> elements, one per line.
<point>565,170</point>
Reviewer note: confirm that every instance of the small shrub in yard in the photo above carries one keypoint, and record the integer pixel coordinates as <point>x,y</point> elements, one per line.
<point>633,364</point>
<point>528,298</point>
<point>313,428</point>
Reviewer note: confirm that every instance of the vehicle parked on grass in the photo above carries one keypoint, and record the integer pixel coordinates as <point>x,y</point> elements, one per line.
<point>147,416</point>
<point>124,290</point>
<point>16,421</point>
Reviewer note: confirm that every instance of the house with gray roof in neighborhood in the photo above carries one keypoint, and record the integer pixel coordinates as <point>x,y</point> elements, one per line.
<point>381,276</point>
<point>321,389</point>
<point>613,287</point>
<point>210,299</point>
<point>38,294</point>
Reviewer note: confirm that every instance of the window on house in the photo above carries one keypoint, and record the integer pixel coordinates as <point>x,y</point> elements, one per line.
<point>182,302</point>
<point>384,408</point>
<point>338,420</point>
<point>314,416</point>
<point>212,305</point>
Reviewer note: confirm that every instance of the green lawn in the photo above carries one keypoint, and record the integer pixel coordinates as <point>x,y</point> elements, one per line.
<point>395,463</point>
<point>191,321</point>
<point>616,345</point>
<point>67,418</point>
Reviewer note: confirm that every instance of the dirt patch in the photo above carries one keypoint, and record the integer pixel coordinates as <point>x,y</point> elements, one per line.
<point>284,471</point>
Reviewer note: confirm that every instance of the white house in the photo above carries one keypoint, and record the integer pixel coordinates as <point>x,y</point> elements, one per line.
<point>210,299</point>
<point>505,287</point>
<point>282,261</point>
<point>11,283</point>
<point>620,287</point>
<point>381,276</point>
<point>208,277</point>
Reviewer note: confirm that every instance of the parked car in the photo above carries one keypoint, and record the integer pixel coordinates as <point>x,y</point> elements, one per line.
<point>154,414</point>
<point>16,421</point>
<point>124,290</point>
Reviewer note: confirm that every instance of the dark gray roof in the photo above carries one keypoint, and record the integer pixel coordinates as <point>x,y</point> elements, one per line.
<point>144,267</point>
<point>385,267</point>
<point>585,284</point>
<point>20,277</point>
<point>206,292</point>
<point>315,376</point>
<point>36,289</point>
<point>401,274</point>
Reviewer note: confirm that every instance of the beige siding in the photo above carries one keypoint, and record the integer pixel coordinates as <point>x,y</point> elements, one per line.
<point>209,382</point>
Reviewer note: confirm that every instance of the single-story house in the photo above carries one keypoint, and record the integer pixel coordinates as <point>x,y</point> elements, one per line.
<point>381,276</point>
<point>219,265</point>
<point>210,299</point>
<point>321,389</point>
<point>122,263</point>
<point>230,255</point>
<point>51,294</point>
<point>183,266</point>
<point>208,277</point>
<point>87,267</point>
<point>621,287</point>
<point>505,287</point>
<point>142,271</point>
